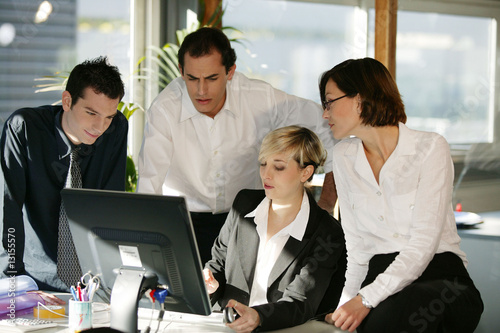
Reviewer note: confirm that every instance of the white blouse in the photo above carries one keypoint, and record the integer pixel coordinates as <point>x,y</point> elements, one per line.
<point>270,250</point>
<point>409,211</point>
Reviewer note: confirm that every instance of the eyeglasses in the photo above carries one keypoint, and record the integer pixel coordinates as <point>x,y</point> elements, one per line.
<point>327,104</point>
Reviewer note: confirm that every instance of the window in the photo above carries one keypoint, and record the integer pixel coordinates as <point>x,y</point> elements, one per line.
<point>36,38</point>
<point>290,44</point>
<point>104,32</point>
<point>39,38</point>
<point>445,73</point>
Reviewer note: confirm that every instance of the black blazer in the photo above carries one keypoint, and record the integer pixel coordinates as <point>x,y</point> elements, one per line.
<point>307,278</point>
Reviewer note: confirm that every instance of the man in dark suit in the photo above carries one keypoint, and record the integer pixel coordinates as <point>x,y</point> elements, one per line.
<point>37,146</point>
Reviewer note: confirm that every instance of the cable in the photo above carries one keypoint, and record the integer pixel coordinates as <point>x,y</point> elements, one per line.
<point>160,295</point>
<point>150,296</point>
<point>50,310</point>
<point>153,295</point>
<point>160,316</point>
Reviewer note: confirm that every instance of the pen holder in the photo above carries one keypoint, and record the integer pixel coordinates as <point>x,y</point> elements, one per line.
<point>80,316</point>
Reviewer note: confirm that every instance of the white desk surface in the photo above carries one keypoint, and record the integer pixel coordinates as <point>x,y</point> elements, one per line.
<point>490,229</point>
<point>174,322</point>
<point>183,326</point>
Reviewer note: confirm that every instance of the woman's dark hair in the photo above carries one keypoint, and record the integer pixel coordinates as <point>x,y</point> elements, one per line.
<point>203,42</point>
<point>97,74</point>
<point>381,103</point>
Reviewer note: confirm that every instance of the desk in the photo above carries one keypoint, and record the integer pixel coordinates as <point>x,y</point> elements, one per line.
<point>482,247</point>
<point>181,323</point>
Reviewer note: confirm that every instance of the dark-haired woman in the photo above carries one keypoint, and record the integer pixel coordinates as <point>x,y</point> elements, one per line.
<point>406,272</point>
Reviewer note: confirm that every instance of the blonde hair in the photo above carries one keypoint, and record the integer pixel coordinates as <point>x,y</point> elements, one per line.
<point>302,145</point>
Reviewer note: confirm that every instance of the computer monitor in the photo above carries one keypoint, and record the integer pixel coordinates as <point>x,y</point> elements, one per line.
<point>129,239</point>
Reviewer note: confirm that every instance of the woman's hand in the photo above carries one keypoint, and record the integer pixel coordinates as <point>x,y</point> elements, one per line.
<point>49,299</point>
<point>249,318</point>
<point>348,316</point>
<point>210,282</point>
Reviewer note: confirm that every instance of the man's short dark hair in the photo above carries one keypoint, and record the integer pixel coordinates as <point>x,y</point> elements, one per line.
<point>97,74</point>
<point>381,103</point>
<point>203,42</point>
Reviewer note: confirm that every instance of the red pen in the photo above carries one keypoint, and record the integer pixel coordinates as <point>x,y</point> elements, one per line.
<point>79,290</point>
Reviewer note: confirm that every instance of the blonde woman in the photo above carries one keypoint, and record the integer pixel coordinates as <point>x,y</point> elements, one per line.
<point>278,254</point>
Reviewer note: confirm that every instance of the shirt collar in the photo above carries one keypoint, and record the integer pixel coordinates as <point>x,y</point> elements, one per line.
<point>296,229</point>
<point>405,146</point>
<point>231,103</point>
<point>406,141</point>
<point>64,146</point>
<point>189,111</point>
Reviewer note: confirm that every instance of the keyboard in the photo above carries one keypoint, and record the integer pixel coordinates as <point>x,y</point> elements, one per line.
<point>21,325</point>
<point>216,318</point>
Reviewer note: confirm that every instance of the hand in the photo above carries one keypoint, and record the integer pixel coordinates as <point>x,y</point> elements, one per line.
<point>49,299</point>
<point>210,282</point>
<point>348,316</point>
<point>249,318</point>
<point>326,205</point>
<point>328,196</point>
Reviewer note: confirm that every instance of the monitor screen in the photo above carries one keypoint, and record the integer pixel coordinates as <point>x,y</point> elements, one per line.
<point>152,233</point>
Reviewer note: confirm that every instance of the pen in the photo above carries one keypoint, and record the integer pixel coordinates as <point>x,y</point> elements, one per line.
<point>84,295</point>
<point>73,292</point>
<point>79,289</point>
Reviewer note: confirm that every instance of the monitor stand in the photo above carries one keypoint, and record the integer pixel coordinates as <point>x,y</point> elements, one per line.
<point>129,287</point>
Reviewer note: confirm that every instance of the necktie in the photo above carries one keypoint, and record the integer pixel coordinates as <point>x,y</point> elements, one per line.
<point>68,267</point>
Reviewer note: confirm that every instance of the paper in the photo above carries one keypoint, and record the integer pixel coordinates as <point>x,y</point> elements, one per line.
<point>130,256</point>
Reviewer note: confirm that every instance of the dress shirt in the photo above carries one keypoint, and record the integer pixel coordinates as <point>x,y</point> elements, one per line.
<point>35,155</point>
<point>270,249</point>
<point>209,160</point>
<point>408,211</point>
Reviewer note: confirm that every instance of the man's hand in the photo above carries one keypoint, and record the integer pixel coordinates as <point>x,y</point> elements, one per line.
<point>348,316</point>
<point>249,318</point>
<point>328,196</point>
<point>210,282</point>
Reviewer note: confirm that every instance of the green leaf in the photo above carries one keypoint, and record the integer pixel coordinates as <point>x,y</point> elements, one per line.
<point>130,175</point>
<point>128,109</point>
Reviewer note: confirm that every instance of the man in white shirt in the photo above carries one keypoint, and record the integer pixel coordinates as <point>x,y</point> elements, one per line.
<point>203,133</point>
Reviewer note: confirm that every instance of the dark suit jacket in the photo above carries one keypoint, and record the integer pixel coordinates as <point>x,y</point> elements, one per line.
<point>307,274</point>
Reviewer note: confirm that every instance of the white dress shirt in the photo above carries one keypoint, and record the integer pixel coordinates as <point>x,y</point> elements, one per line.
<point>210,160</point>
<point>270,249</point>
<point>409,211</point>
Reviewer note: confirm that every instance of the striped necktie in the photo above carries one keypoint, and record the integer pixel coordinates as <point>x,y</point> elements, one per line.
<point>68,267</point>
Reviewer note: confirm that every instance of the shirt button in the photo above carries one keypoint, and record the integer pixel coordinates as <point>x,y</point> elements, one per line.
<point>381,218</point>
<point>412,206</point>
<point>217,175</point>
<point>379,193</point>
<point>215,152</point>
<point>396,235</point>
